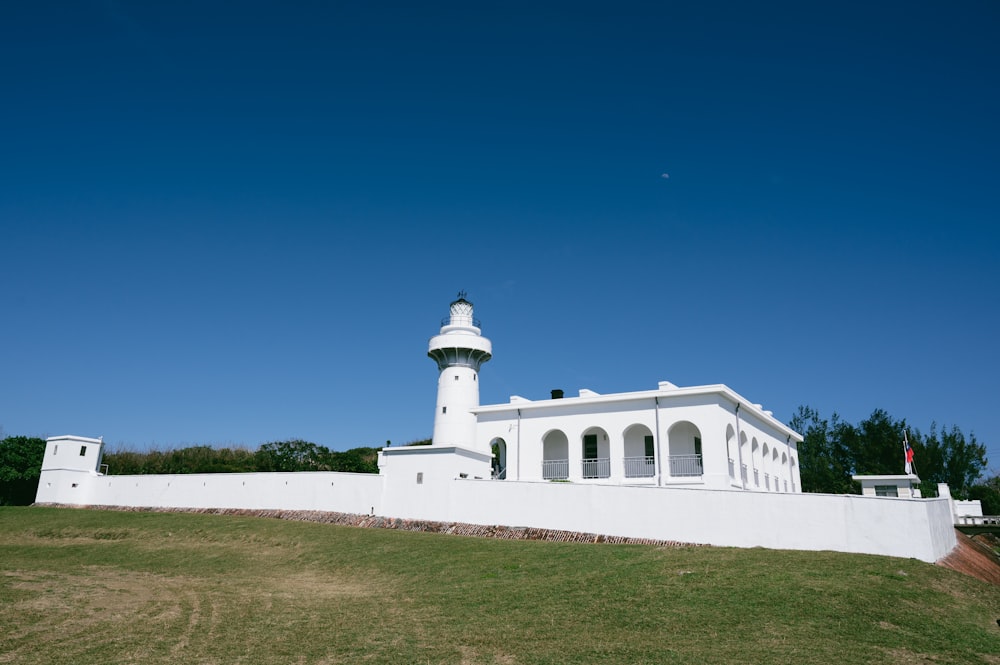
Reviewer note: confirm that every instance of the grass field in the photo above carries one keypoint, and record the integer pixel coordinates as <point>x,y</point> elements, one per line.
<point>79,586</point>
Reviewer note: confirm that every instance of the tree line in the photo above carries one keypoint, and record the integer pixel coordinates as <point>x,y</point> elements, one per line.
<point>833,450</point>
<point>293,455</point>
<point>21,462</point>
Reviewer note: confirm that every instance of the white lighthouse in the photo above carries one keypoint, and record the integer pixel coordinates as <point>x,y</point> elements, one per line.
<point>460,350</point>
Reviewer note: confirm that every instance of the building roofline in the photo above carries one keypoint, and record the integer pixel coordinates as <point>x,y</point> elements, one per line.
<point>73,437</point>
<point>435,449</point>
<point>720,389</point>
<point>880,477</point>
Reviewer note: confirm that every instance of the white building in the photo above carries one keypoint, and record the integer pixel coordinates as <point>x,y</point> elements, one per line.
<point>699,464</point>
<point>905,486</point>
<point>703,436</point>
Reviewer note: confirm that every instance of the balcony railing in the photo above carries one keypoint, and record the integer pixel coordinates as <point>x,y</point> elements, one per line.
<point>446,321</point>
<point>555,469</point>
<point>640,467</point>
<point>597,468</point>
<point>977,520</point>
<point>685,465</point>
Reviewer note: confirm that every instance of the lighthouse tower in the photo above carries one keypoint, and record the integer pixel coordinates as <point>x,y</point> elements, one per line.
<point>460,350</point>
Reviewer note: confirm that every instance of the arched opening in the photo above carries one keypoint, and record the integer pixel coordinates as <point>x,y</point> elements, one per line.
<point>730,439</point>
<point>555,455</point>
<point>499,449</point>
<point>640,453</point>
<point>596,453</point>
<point>744,457</point>
<point>764,464</point>
<point>775,468</point>
<point>755,461</point>
<point>684,450</point>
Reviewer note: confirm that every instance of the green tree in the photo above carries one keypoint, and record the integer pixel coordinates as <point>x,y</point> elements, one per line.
<point>206,459</point>
<point>876,444</point>
<point>294,455</point>
<point>832,451</point>
<point>20,466</point>
<point>950,457</point>
<point>192,459</point>
<point>988,494</point>
<point>21,458</point>
<point>355,460</point>
<point>125,462</point>
<point>824,462</point>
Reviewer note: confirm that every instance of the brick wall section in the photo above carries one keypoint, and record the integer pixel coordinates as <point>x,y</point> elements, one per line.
<point>974,558</point>
<point>374,522</point>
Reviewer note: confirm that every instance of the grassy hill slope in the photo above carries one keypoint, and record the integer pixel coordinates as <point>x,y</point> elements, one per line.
<point>80,586</point>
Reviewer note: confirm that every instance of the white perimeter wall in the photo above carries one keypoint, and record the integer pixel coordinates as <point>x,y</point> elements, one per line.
<point>918,528</point>
<point>359,493</point>
<point>922,529</point>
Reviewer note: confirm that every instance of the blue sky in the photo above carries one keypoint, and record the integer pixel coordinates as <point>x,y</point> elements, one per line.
<point>231,226</point>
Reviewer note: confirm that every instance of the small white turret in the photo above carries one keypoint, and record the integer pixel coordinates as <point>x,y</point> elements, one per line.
<point>460,350</point>
<point>73,453</point>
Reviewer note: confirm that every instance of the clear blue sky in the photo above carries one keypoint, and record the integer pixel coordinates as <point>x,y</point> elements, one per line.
<point>231,223</point>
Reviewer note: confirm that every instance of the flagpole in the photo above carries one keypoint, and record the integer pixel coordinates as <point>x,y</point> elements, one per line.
<point>908,464</point>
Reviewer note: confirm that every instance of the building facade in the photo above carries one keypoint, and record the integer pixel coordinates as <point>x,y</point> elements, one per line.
<point>703,436</point>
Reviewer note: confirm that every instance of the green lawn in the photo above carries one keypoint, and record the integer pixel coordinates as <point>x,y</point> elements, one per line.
<point>80,586</point>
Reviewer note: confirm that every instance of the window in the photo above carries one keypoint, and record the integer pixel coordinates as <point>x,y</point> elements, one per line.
<point>589,446</point>
<point>697,446</point>
<point>420,477</point>
<point>886,490</point>
<point>444,409</point>
<point>55,451</point>
<point>648,440</point>
<point>83,451</point>
<point>456,377</point>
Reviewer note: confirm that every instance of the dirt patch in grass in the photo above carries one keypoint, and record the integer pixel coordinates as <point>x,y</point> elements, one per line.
<point>907,657</point>
<point>471,656</point>
<point>321,585</point>
<point>72,609</point>
<point>139,615</point>
<point>76,535</point>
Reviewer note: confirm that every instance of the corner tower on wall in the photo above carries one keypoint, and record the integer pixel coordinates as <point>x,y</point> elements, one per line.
<point>459,350</point>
